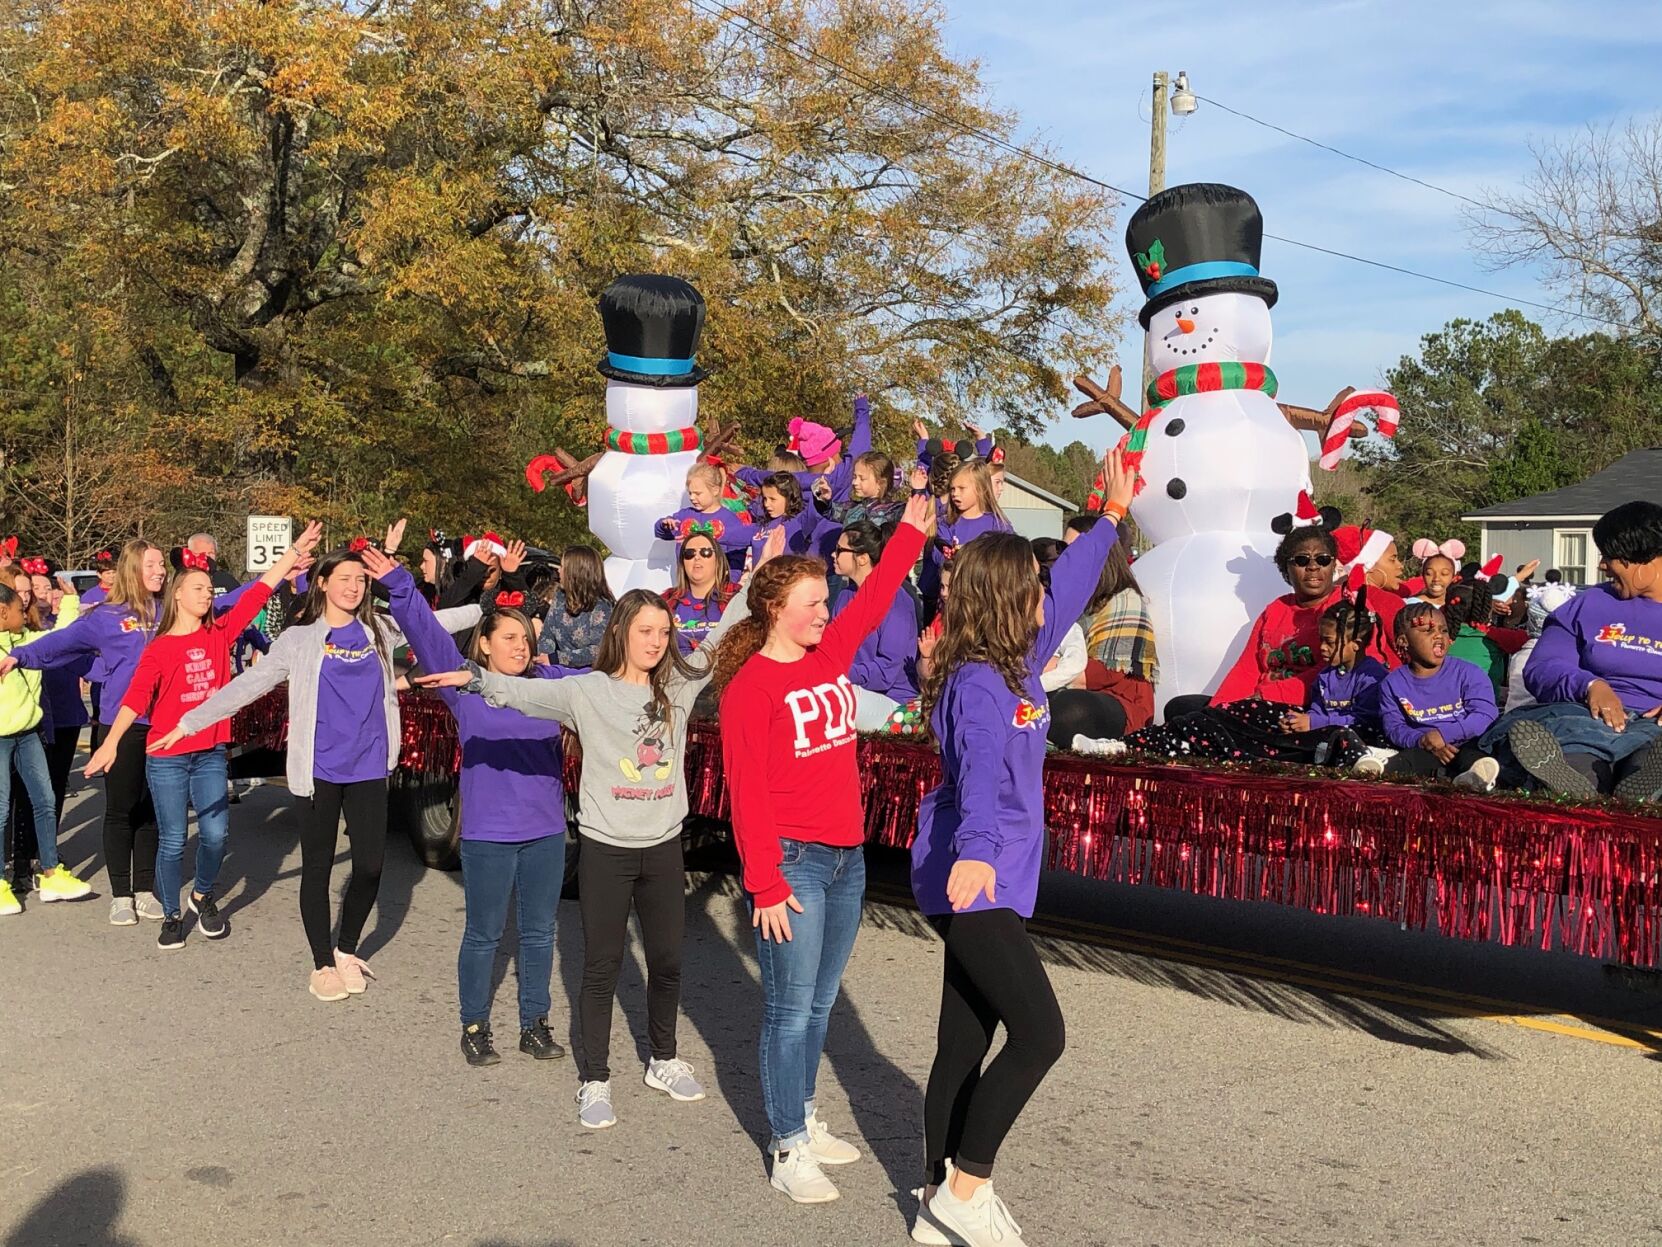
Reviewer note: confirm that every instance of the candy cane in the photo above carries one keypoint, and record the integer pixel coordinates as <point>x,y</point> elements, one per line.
<point>1377,403</point>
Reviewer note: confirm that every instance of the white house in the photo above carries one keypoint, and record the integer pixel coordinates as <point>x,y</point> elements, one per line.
<point>1557,527</point>
<point>1033,512</point>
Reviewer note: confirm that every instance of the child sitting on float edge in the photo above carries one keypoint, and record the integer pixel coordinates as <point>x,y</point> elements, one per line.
<point>1434,707</point>
<point>1347,687</point>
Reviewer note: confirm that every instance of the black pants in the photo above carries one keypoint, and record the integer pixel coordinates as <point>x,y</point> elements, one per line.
<point>365,807</point>
<point>129,818</point>
<point>1077,712</point>
<point>1423,762</point>
<point>60,759</point>
<point>608,880</point>
<point>992,975</point>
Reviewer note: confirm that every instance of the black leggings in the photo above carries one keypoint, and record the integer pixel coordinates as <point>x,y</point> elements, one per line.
<point>1418,761</point>
<point>365,806</point>
<point>608,879</point>
<point>1077,712</point>
<point>992,975</point>
<point>129,818</point>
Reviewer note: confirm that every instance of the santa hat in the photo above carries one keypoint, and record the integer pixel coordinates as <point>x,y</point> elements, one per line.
<point>1361,547</point>
<point>814,442</point>
<point>1488,570</point>
<point>478,547</point>
<point>1305,515</point>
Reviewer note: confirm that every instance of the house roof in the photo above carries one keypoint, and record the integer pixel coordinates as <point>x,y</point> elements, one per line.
<point>1637,475</point>
<point>1011,478</point>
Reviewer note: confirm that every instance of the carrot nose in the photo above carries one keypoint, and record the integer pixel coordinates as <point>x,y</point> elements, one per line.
<point>1185,324</point>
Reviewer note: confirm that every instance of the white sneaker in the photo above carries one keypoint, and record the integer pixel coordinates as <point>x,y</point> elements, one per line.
<point>1373,762</point>
<point>674,1078</point>
<point>926,1229</point>
<point>1480,776</point>
<point>982,1220</point>
<point>798,1174</point>
<point>149,907</point>
<point>827,1148</point>
<point>594,1105</point>
<point>1104,748</point>
<point>122,913</point>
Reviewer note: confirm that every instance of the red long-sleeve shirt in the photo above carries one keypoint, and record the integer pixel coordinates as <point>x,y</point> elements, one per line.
<point>176,674</point>
<point>1283,655</point>
<point>787,735</point>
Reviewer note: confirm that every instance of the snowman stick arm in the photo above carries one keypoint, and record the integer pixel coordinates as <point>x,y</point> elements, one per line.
<point>1105,400</point>
<point>575,476</point>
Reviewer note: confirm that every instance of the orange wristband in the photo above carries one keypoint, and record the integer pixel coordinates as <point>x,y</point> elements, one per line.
<point>1113,513</point>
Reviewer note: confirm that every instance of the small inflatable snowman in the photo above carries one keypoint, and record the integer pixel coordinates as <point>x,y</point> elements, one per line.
<point>653,324</point>
<point>1220,459</point>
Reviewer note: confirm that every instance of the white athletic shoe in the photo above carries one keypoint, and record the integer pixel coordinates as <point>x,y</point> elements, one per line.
<point>827,1148</point>
<point>674,1078</point>
<point>1373,762</point>
<point>982,1220</point>
<point>1105,748</point>
<point>926,1228</point>
<point>798,1174</point>
<point>1480,776</point>
<point>594,1105</point>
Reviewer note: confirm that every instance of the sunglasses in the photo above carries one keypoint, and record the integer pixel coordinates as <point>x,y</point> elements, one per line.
<point>1311,560</point>
<point>706,553</point>
<point>835,550</point>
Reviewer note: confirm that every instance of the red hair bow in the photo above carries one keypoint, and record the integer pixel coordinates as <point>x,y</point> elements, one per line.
<point>36,567</point>
<point>105,555</point>
<point>191,561</point>
<point>513,600</point>
<point>358,545</point>
<point>8,547</point>
<point>996,457</point>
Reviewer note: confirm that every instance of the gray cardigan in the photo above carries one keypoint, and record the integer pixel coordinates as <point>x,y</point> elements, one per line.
<point>297,656</point>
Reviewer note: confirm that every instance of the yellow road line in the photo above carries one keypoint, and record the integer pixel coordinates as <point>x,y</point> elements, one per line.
<point>1283,970</point>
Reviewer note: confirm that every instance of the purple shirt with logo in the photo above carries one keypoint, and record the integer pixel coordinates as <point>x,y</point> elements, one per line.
<point>1457,699</point>
<point>1598,636</point>
<point>351,742</point>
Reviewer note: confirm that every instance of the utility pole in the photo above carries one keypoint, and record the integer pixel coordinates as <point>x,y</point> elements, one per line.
<point>1157,137</point>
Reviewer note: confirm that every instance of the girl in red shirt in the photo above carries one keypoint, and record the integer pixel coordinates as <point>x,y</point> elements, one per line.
<point>187,663</point>
<point>787,739</point>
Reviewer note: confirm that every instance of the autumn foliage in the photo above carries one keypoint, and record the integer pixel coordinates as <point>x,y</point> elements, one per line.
<point>341,259</point>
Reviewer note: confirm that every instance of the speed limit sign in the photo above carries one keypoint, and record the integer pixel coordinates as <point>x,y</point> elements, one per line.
<point>268,537</point>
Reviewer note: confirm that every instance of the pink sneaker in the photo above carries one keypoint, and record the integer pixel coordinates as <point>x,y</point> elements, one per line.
<point>326,984</point>
<point>353,971</point>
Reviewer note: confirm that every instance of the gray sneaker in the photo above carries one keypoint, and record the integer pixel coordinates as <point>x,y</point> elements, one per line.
<point>122,913</point>
<point>675,1078</point>
<point>149,907</point>
<point>594,1105</point>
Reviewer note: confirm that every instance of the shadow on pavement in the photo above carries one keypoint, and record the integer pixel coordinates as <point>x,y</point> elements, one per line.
<point>81,1210</point>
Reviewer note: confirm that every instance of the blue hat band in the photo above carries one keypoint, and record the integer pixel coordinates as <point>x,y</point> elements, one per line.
<point>1207,271</point>
<point>649,367</point>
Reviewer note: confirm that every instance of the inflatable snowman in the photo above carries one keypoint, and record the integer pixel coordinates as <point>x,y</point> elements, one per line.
<point>652,326</point>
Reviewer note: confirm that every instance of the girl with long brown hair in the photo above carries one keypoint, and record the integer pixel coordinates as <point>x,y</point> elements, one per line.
<point>343,742</point>
<point>787,741</point>
<point>631,712</point>
<point>579,611</point>
<point>978,852</point>
<point>189,660</point>
<point>703,589</point>
<point>968,510</point>
<point>113,634</point>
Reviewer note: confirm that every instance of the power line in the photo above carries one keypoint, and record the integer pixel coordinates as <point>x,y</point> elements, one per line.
<point>807,52</point>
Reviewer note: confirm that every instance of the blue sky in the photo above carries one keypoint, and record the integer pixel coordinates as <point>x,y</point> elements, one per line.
<point>1453,93</point>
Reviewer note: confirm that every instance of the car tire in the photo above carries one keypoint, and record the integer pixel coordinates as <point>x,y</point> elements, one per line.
<point>430,810</point>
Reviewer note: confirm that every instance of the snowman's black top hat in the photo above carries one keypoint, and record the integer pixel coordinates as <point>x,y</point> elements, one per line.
<point>1199,238</point>
<point>652,328</point>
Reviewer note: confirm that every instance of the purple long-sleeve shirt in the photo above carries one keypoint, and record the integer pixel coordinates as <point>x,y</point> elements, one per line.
<point>728,529</point>
<point>799,533</point>
<point>989,806</point>
<point>111,637</point>
<point>951,536</point>
<point>1348,698</point>
<point>1457,699</point>
<point>886,661</point>
<point>511,786</point>
<point>1598,636</point>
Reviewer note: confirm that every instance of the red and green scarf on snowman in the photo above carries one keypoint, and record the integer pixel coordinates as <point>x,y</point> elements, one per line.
<point>1179,382</point>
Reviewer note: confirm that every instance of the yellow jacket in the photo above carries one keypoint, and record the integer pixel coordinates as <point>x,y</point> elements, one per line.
<point>20,690</point>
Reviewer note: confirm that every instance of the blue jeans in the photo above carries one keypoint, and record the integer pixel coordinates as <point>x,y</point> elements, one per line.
<point>27,753</point>
<point>177,784</point>
<point>801,977</point>
<point>533,870</point>
<point>1575,729</point>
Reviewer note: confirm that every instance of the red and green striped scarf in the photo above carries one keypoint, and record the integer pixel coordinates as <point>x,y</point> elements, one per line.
<point>1189,379</point>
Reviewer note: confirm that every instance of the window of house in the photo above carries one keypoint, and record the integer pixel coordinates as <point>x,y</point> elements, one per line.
<point>1573,548</point>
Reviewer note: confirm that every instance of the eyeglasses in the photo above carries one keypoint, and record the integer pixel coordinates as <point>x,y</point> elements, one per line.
<point>835,550</point>
<point>688,555</point>
<point>1311,560</point>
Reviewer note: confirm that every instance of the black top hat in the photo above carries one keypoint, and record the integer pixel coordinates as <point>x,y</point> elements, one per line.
<point>652,328</point>
<point>1195,239</point>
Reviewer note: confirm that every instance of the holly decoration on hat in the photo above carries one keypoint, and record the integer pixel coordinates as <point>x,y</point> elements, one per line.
<point>1152,261</point>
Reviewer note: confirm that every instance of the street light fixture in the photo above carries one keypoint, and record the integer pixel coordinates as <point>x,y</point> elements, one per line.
<point>1183,100</point>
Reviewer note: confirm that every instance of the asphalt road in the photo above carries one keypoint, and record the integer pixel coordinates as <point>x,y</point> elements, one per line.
<point>1235,1074</point>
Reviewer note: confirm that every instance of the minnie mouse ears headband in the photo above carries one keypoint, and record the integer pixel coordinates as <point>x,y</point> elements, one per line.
<point>1453,549</point>
<point>105,559</point>
<point>935,447</point>
<point>1306,516</point>
<point>39,567</point>
<point>183,560</point>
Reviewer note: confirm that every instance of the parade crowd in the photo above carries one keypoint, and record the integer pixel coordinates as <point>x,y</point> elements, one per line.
<point>818,596</point>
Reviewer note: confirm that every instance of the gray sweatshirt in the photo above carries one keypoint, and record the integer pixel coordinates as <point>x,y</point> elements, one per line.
<point>297,656</point>
<point>633,793</point>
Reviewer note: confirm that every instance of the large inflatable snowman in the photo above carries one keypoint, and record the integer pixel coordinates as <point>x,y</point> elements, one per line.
<point>653,324</point>
<point>1220,460</point>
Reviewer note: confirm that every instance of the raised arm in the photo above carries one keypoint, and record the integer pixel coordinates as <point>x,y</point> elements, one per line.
<point>848,631</point>
<point>1075,575</point>
<point>433,647</point>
